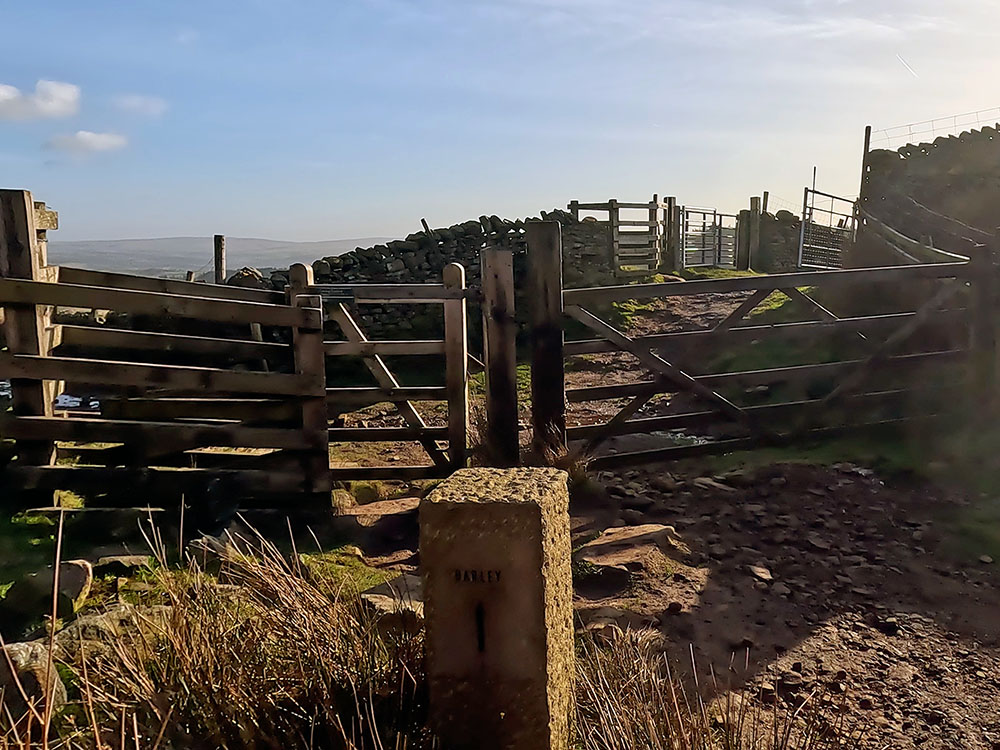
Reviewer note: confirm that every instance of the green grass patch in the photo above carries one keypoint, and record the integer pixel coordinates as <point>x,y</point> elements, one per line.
<point>343,570</point>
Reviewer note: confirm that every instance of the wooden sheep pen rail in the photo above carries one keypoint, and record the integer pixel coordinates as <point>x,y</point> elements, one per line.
<point>882,367</point>
<point>189,395</point>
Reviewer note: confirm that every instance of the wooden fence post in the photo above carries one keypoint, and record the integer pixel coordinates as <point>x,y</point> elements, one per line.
<point>548,391</point>
<point>220,259</point>
<point>984,334</point>
<point>613,238</point>
<point>673,237</point>
<point>753,249</point>
<point>25,325</point>
<point>500,349</point>
<point>456,352</point>
<point>574,208</point>
<point>310,360</point>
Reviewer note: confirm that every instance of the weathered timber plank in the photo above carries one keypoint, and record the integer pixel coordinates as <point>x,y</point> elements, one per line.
<point>398,473</point>
<point>548,400</point>
<point>882,352</point>
<point>156,303</point>
<point>743,309</point>
<point>616,460</point>
<point>98,337</point>
<point>386,380</point>
<point>162,409</point>
<point>386,434</point>
<point>106,372</point>
<point>457,367</point>
<point>85,277</point>
<point>750,378</point>
<point>900,397</point>
<point>384,348</point>
<point>22,256</point>
<point>98,478</point>
<point>386,294</point>
<point>136,434</point>
<point>500,350</point>
<point>891,274</point>
<point>366,396</point>
<point>869,325</point>
<point>680,378</point>
<point>310,363</point>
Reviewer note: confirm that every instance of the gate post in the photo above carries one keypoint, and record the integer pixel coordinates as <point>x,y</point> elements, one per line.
<point>548,391</point>
<point>310,361</point>
<point>983,278</point>
<point>753,248</point>
<point>500,353</point>
<point>22,257</point>
<point>675,254</point>
<point>613,219</point>
<point>456,352</point>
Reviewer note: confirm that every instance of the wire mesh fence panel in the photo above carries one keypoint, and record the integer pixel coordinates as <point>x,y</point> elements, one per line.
<point>827,230</point>
<point>708,238</point>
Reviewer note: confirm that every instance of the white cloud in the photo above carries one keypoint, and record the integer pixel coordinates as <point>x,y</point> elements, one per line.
<point>50,99</point>
<point>85,141</point>
<point>149,106</point>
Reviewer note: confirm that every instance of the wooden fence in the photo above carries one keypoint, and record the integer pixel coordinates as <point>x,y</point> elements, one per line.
<point>698,394</point>
<point>638,246</point>
<point>201,384</point>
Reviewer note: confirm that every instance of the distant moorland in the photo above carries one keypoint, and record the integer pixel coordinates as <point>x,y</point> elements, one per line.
<point>173,256</point>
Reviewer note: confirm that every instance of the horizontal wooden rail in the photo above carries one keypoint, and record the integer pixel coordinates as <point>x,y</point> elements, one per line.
<point>86,277</point>
<point>386,434</point>
<point>386,294</point>
<point>256,410</point>
<point>909,245</point>
<point>99,337</point>
<point>891,274</point>
<point>804,329</point>
<point>136,434</point>
<point>366,396</point>
<point>21,291</point>
<point>385,348</point>
<point>673,453</point>
<point>100,478</point>
<point>105,372</point>
<point>770,411</point>
<point>764,377</point>
<point>398,473</point>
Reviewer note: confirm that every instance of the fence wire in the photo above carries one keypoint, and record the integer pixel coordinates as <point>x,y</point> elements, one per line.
<point>928,130</point>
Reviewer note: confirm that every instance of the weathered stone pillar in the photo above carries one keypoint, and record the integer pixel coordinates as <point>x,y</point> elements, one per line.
<point>495,553</point>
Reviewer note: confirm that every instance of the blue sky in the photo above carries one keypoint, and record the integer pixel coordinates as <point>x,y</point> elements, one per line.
<point>307,120</point>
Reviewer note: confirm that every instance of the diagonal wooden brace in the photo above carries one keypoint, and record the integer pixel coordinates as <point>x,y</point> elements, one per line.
<point>384,377</point>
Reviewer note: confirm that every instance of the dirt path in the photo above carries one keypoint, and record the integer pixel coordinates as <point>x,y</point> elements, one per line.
<point>833,579</point>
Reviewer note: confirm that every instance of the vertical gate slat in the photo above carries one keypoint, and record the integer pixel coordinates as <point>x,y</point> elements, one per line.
<point>456,367</point>
<point>500,347</point>
<point>548,397</point>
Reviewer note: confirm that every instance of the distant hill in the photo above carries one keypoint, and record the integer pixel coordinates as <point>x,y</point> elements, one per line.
<point>172,256</point>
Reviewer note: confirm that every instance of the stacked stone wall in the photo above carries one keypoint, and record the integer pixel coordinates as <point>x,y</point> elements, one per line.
<point>422,256</point>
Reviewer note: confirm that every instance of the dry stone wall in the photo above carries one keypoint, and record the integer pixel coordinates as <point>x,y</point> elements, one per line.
<point>779,243</point>
<point>957,176</point>
<point>422,256</point>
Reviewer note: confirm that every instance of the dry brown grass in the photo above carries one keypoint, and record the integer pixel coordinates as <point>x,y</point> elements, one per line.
<point>267,655</point>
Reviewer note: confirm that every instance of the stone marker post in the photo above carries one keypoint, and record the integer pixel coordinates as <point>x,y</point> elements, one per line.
<point>495,553</point>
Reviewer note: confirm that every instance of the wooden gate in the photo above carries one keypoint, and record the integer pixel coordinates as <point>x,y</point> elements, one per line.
<point>697,391</point>
<point>202,385</point>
